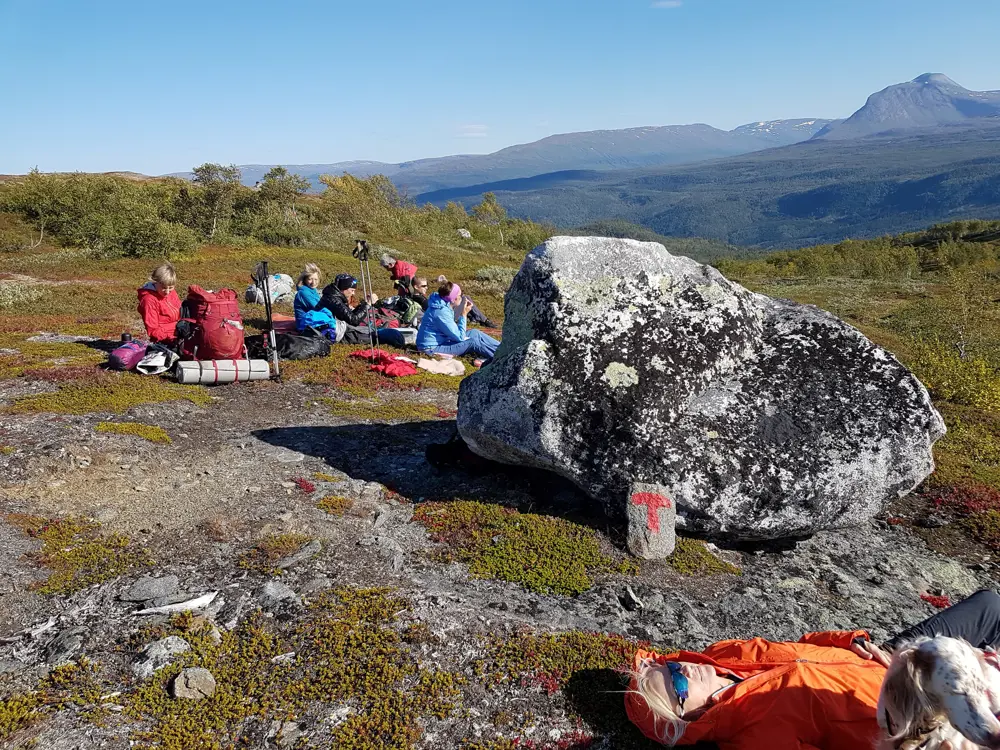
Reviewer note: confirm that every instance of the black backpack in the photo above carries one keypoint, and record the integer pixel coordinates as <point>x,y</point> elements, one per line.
<point>291,346</point>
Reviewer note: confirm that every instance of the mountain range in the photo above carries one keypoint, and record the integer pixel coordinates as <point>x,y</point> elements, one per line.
<point>596,149</point>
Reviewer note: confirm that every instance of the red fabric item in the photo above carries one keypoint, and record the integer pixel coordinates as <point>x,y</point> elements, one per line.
<point>401,269</point>
<point>386,363</point>
<point>160,314</point>
<point>217,323</point>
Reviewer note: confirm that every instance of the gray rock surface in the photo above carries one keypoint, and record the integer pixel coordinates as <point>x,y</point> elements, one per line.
<point>159,654</point>
<point>148,588</point>
<point>65,646</point>
<point>193,683</point>
<point>760,418</point>
<point>275,595</point>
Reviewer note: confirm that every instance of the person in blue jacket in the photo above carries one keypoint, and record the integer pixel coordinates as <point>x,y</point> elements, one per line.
<point>441,333</point>
<point>308,312</point>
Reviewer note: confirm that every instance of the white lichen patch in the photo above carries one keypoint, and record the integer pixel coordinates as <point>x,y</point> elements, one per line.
<point>619,375</point>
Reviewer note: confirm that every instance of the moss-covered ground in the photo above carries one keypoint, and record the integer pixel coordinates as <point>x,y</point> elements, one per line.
<point>269,550</point>
<point>541,553</point>
<point>149,432</point>
<point>77,552</point>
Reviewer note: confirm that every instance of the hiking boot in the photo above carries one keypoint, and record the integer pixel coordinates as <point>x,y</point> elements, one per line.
<point>490,324</point>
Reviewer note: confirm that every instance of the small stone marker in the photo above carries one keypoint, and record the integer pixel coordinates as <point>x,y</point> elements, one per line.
<point>651,519</point>
<point>193,683</point>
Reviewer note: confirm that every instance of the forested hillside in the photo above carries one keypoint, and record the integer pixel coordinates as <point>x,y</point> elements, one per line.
<point>809,193</point>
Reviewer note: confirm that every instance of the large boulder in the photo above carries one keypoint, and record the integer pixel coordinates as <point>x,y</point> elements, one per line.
<point>660,387</point>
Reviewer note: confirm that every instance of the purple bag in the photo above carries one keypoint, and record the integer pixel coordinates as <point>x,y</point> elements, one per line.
<point>127,356</point>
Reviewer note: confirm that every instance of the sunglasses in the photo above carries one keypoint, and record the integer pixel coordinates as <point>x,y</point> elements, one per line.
<point>680,682</point>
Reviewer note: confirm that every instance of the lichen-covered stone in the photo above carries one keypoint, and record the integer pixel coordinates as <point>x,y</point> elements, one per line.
<point>759,418</point>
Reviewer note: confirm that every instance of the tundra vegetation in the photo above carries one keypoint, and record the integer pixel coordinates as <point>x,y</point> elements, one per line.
<point>361,663</point>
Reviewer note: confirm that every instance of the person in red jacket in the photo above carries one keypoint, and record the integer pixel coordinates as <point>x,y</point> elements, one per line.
<point>400,272</point>
<point>159,305</point>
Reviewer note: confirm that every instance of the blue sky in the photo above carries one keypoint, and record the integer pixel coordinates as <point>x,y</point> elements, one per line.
<point>157,87</point>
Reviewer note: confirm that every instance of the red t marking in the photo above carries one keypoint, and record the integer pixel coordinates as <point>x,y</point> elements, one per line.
<point>653,503</point>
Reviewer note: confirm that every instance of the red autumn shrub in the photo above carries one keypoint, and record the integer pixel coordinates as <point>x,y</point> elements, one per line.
<point>941,602</point>
<point>967,499</point>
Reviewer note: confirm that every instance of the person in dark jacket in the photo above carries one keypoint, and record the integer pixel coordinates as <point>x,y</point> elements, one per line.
<point>353,323</point>
<point>337,298</point>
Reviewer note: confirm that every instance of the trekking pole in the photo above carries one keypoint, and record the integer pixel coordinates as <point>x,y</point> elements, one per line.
<point>270,339</point>
<point>361,253</point>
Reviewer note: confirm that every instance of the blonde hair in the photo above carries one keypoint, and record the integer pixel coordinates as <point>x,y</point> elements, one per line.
<point>667,725</point>
<point>309,269</point>
<point>164,274</point>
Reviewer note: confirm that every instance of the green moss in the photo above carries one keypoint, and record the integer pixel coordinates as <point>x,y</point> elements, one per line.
<point>346,649</point>
<point>270,550</point>
<point>692,557</point>
<point>148,432</point>
<point>117,394</point>
<point>321,477</point>
<point>76,551</point>
<point>540,553</point>
<point>7,450</point>
<point>385,410</point>
<point>549,660</point>
<point>18,712</point>
<point>335,505</point>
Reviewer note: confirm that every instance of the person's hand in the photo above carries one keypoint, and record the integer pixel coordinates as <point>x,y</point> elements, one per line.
<point>372,298</point>
<point>466,307</point>
<point>869,651</point>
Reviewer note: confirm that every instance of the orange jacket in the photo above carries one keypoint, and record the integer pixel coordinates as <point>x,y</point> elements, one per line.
<point>812,695</point>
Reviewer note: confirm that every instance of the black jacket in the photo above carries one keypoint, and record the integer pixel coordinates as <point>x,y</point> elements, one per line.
<point>334,300</point>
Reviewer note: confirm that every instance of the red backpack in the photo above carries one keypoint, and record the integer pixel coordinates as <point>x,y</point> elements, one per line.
<point>217,326</point>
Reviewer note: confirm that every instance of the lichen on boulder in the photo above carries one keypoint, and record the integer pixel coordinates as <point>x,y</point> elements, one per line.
<point>622,366</point>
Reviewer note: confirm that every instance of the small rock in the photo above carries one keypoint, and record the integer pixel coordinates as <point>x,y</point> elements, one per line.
<point>320,583</point>
<point>274,594</point>
<point>194,683</point>
<point>934,521</point>
<point>629,600</point>
<point>159,654</point>
<point>286,733</point>
<point>64,646</point>
<point>148,588</point>
<point>465,234</point>
<point>9,666</point>
<point>310,550</point>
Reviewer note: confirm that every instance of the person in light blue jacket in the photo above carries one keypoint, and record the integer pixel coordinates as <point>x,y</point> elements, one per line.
<point>440,333</point>
<point>308,313</point>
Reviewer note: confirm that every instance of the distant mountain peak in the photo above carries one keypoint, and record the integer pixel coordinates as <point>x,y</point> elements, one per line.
<point>937,78</point>
<point>928,101</point>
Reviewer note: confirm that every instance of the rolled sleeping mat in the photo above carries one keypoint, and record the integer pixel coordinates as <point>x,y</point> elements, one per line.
<point>212,371</point>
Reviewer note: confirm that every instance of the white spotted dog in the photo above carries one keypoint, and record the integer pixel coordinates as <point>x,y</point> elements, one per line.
<point>940,693</point>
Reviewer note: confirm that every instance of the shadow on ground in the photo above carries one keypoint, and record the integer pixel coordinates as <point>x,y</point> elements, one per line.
<point>393,455</point>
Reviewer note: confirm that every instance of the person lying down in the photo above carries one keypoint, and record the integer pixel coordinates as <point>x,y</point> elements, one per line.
<point>831,690</point>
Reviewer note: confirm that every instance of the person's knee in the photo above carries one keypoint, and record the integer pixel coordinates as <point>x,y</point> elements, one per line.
<point>988,599</point>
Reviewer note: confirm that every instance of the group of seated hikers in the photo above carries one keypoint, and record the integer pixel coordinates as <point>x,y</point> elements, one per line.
<point>335,312</point>
<point>828,691</point>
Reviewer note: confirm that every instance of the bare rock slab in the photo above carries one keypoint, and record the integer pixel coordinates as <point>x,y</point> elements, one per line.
<point>757,418</point>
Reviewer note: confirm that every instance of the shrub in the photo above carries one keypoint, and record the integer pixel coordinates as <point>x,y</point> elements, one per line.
<point>15,294</point>
<point>335,505</point>
<point>970,382</point>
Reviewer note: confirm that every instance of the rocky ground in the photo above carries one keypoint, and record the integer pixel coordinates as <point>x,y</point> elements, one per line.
<point>227,513</point>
